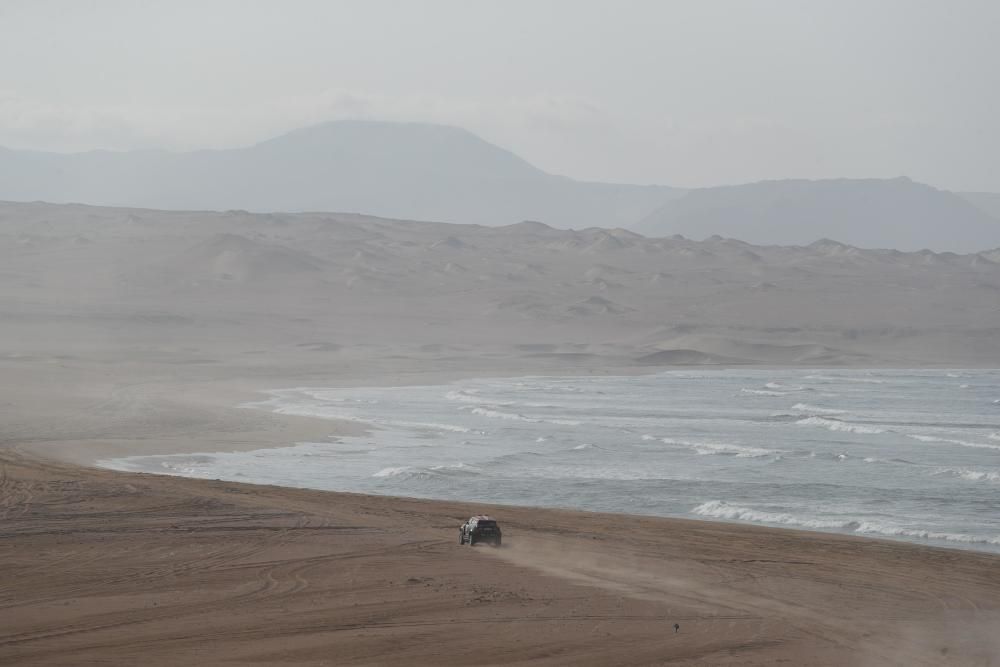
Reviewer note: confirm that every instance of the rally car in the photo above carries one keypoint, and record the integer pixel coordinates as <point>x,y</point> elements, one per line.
<point>479,529</point>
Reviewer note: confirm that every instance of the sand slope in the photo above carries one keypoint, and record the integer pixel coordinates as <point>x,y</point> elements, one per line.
<point>225,287</point>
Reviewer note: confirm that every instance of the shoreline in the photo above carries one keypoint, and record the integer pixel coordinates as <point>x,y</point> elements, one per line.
<point>221,571</point>
<point>800,533</point>
<point>337,429</point>
<point>276,575</point>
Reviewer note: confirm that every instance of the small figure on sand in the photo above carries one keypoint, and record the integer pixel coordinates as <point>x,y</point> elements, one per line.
<point>677,628</point>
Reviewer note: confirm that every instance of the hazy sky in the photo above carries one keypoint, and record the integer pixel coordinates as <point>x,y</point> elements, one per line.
<point>682,93</point>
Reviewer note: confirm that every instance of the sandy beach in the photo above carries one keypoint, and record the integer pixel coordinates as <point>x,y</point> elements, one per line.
<point>103,567</point>
<point>143,335</point>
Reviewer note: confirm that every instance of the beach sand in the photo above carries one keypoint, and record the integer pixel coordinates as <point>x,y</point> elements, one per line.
<point>139,332</point>
<point>103,567</point>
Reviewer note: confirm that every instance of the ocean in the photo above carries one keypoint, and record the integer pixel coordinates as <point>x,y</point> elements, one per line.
<point>901,454</point>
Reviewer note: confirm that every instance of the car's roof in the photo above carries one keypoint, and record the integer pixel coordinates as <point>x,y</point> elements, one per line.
<point>482,517</point>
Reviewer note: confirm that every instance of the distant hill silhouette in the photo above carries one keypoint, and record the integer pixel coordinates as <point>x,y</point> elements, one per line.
<point>421,171</point>
<point>896,213</point>
<point>988,202</point>
<point>401,170</point>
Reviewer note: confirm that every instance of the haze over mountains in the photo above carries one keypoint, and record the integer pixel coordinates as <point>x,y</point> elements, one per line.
<point>896,213</point>
<point>439,173</point>
<point>401,170</point>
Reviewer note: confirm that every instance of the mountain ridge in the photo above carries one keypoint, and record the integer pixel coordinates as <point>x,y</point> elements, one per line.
<point>423,171</point>
<point>873,213</point>
<point>398,170</point>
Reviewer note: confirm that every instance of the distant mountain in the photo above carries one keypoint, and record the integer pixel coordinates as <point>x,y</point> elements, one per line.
<point>401,170</point>
<point>896,213</point>
<point>988,202</point>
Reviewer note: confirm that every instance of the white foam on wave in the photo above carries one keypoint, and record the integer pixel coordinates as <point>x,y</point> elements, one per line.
<point>516,416</point>
<point>952,441</point>
<point>887,529</point>
<point>456,466</point>
<point>815,409</point>
<point>845,378</point>
<point>719,509</point>
<point>464,396</point>
<point>994,436</point>
<point>561,422</point>
<point>396,471</point>
<point>417,472</point>
<point>763,392</point>
<point>453,428</point>
<point>585,445</point>
<point>971,474</point>
<point>320,412</point>
<point>723,449</point>
<point>778,386</point>
<point>839,425</point>
<point>499,414</point>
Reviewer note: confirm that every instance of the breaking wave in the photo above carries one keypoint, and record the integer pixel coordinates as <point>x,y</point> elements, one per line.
<point>763,392</point>
<point>719,509</point>
<point>398,471</point>
<point>839,425</point>
<point>952,441</point>
<point>845,378</point>
<point>778,386</point>
<point>453,428</point>
<point>971,474</point>
<point>724,449</point>
<point>875,459</point>
<point>428,472</point>
<point>517,416</point>
<point>464,396</point>
<point>886,529</point>
<point>498,414</point>
<point>814,409</point>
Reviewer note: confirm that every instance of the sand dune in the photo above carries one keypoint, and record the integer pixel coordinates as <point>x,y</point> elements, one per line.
<point>290,274</point>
